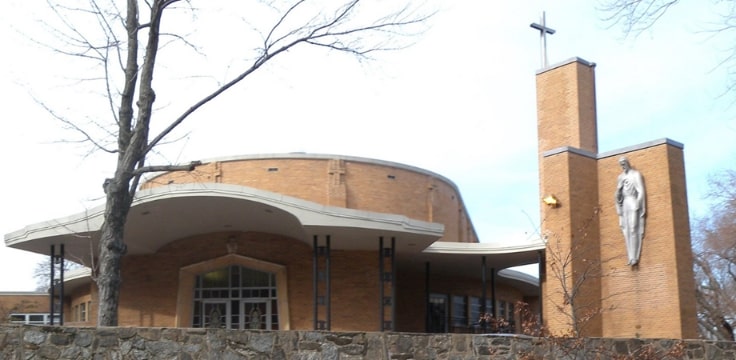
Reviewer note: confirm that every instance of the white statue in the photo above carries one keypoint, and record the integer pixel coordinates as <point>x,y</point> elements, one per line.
<point>631,209</point>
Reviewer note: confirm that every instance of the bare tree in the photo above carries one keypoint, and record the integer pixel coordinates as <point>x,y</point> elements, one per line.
<point>124,40</point>
<point>715,261</point>
<point>574,268</point>
<point>637,16</point>
<point>42,272</point>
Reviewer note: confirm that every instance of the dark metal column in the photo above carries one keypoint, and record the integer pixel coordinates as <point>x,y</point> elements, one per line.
<point>328,293</point>
<point>381,311</point>
<point>484,297</point>
<point>321,274</point>
<point>315,275</point>
<point>493,292</point>
<point>61,285</point>
<point>427,297</point>
<point>56,260</point>
<point>393,283</point>
<point>52,297</point>
<point>390,278</point>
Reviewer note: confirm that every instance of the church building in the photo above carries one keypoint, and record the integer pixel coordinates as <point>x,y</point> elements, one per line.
<point>331,242</point>
<point>296,241</point>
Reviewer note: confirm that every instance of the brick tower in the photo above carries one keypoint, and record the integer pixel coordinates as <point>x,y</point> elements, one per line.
<point>588,288</point>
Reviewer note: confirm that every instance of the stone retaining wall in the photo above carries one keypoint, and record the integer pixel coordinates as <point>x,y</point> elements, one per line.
<point>123,343</point>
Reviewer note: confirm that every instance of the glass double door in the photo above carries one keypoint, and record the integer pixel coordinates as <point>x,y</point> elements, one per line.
<point>251,314</point>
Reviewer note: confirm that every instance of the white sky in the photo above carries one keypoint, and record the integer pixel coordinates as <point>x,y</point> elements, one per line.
<point>461,102</point>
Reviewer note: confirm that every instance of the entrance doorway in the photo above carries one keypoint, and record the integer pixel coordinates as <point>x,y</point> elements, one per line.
<point>236,297</point>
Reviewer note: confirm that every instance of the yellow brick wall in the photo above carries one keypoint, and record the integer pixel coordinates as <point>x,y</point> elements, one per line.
<point>566,107</point>
<point>151,282</point>
<point>571,230</point>
<point>683,245</point>
<point>585,185</point>
<point>82,294</point>
<point>378,187</point>
<point>22,303</point>
<point>664,278</point>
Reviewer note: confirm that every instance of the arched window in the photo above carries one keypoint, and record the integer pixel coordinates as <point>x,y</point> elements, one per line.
<point>236,297</point>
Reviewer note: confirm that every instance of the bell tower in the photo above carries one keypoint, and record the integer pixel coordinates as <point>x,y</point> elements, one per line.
<point>588,288</point>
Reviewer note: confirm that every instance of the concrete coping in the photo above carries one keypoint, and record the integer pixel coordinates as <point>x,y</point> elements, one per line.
<point>603,155</point>
<point>315,156</point>
<point>24,293</point>
<point>566,62</point>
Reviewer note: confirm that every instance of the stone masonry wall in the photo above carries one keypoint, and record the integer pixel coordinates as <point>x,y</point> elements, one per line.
<point>36,342</point>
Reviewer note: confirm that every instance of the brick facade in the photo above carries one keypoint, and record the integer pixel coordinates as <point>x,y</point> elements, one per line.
<point>372,186</point>
<point>654,298</point>
<point>23,302</point>
<point>157,288</point>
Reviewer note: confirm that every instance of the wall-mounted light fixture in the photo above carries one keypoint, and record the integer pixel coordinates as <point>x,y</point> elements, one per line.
<point>551,201</point>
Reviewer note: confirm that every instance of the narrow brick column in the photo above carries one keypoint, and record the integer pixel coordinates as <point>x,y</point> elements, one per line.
<point>568,145</point>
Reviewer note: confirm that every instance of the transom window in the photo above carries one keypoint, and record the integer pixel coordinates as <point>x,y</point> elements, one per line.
<point>236,297</point>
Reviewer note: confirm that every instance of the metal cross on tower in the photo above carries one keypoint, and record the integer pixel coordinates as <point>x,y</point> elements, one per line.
<point>543,31</point>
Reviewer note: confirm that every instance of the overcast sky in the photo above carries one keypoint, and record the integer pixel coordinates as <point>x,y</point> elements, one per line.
<point>460,102</point>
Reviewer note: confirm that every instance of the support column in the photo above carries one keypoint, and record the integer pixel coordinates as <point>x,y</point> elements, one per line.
<point>387,279</point>
<point>493,293</point>
<point>321,283</point>
<point>483,307</point>
<point>52,283</point>
<point>56,304</point>
<point>427,296</point>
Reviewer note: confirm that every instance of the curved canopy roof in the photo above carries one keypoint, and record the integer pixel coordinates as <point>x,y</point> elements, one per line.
<point>168,213</point>
<point>164,214</point>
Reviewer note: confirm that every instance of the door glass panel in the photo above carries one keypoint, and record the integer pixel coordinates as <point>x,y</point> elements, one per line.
<point>257,315</point>
<point>215,314</point>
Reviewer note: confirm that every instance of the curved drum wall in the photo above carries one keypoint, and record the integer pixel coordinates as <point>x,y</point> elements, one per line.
<point>348,182</point>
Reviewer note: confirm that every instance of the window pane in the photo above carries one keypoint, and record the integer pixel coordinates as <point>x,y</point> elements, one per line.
<point>474,309</point>
<point>197,308</point>
<point>216,279</point>
<point>437,313</point>
<point>255,278</point>
<point>459,311</point>
<point>235,275</point>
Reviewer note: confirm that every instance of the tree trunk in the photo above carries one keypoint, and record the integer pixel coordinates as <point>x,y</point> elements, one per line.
<point>112,249</point>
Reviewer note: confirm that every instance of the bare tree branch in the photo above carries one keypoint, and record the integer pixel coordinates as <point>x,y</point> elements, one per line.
<point>160,168</point>
<point>715,260</point>
<point>313,37</point>
<point>124,49</point>
<point>635,16</point>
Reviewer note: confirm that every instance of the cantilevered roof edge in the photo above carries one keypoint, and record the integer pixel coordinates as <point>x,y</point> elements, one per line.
<point>444,247</point>
<point>308,213</point>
